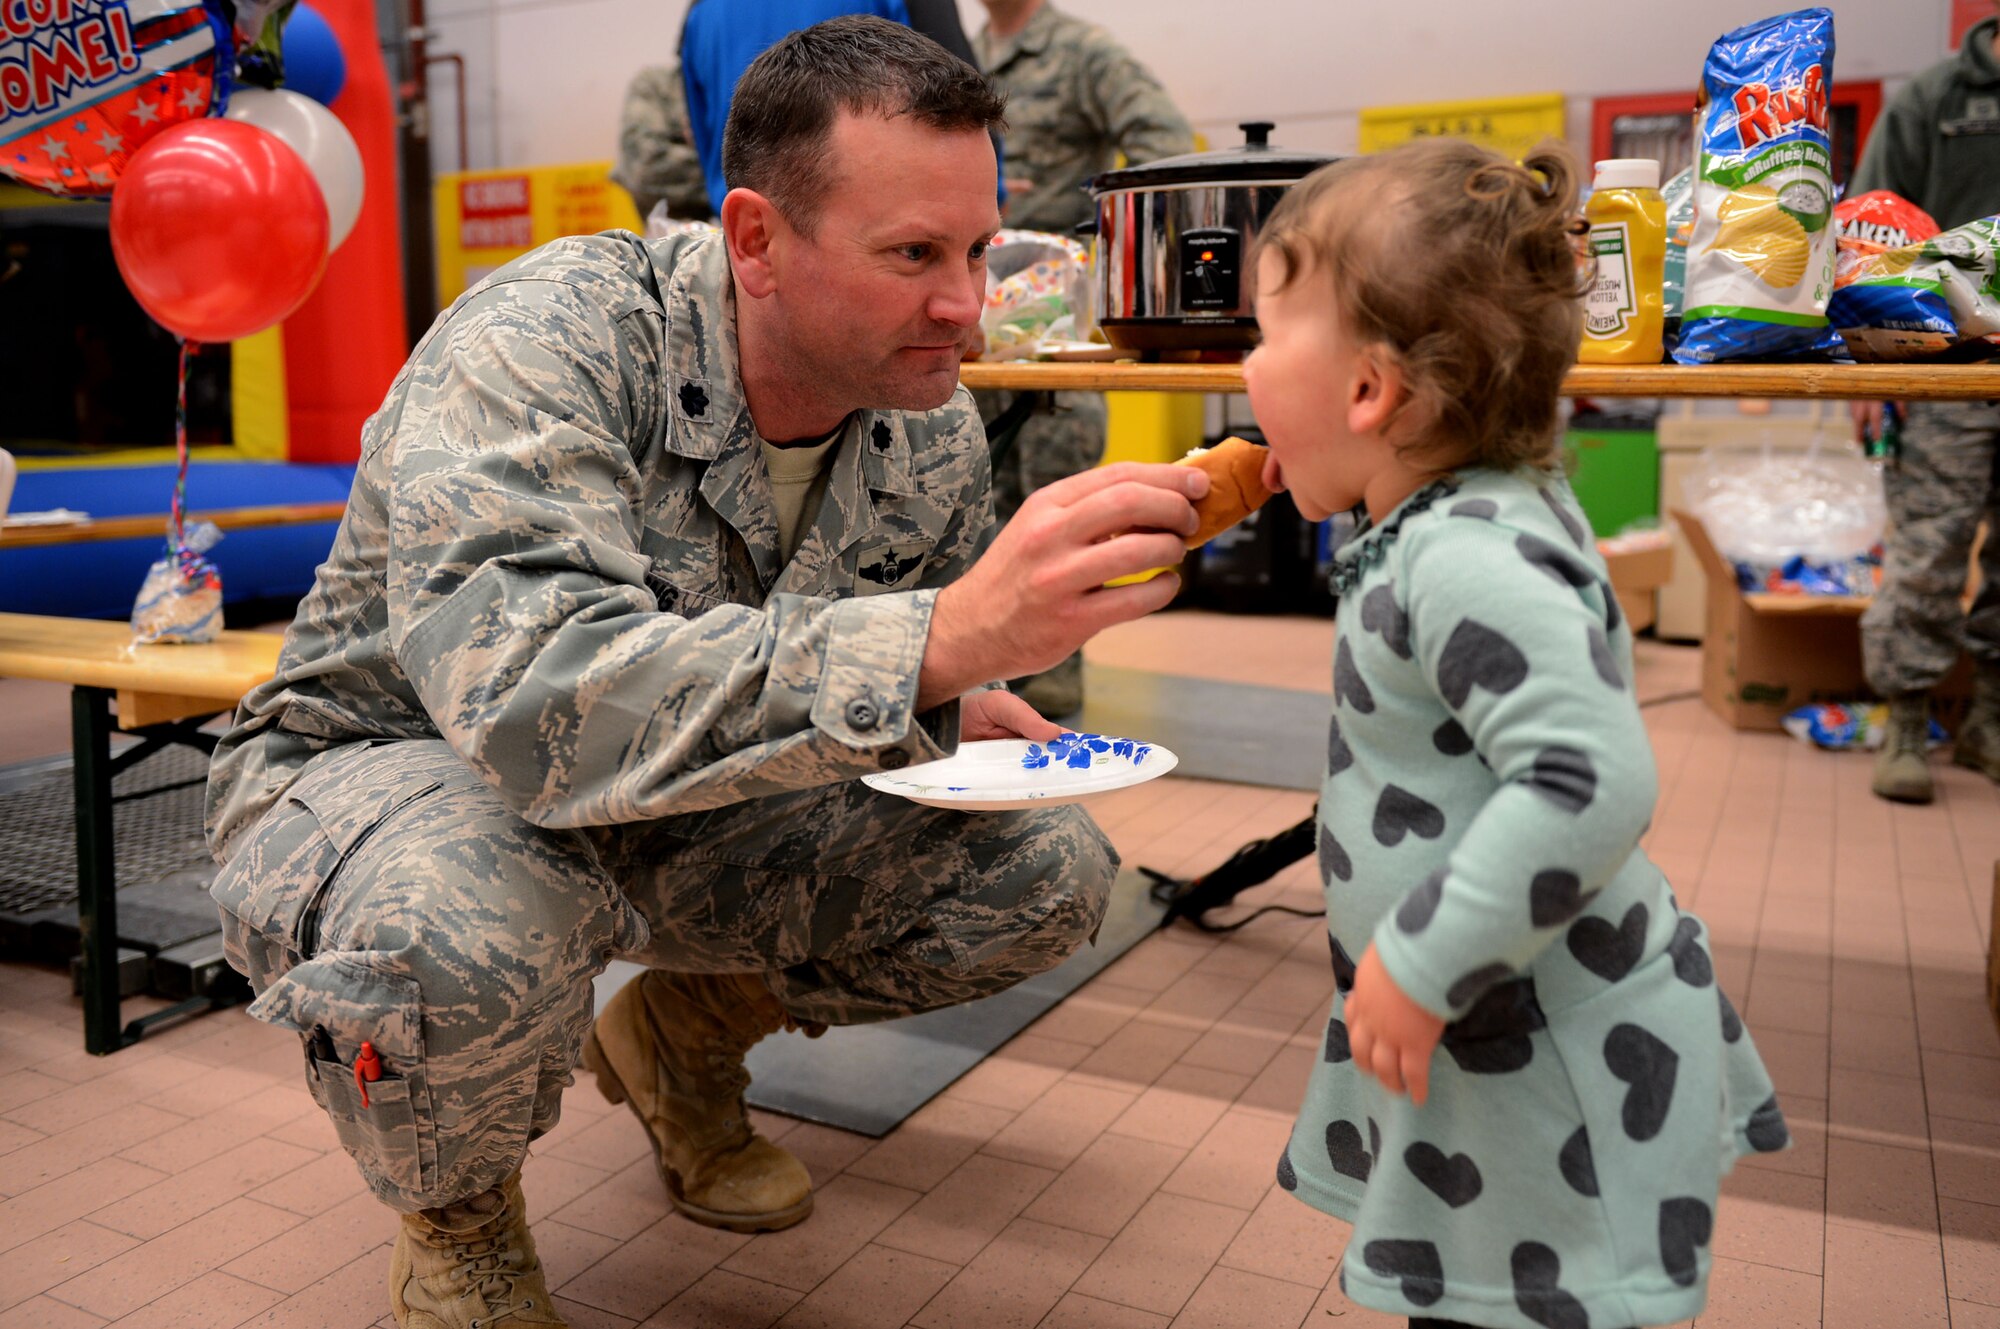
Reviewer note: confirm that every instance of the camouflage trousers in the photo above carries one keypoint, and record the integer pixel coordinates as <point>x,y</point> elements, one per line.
<point>1061,440</point>
<point>1946,482</point>
<point>393,898</point>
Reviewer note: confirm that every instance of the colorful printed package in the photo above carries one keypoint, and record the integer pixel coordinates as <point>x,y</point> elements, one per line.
<point>1873,223</point>
<point>1938,295</point>
<point>1760,263</point>
<point>1863,725</point>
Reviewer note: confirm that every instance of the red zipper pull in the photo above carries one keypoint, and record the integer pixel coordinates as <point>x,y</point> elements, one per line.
<point>367,1066</point>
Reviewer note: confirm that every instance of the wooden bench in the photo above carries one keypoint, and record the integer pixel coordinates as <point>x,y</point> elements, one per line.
<point>154,525</point>
<point>163,694</point>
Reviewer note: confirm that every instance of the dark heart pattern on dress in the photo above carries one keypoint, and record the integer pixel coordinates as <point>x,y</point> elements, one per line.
<point>1685,1223</point>
<point>1578,1164</point>
<point>1339,756</point>
<point>1343,964</point>
<point>1493,1037</point>
<point>1555,897</point>
<point>1649,1067</point>
<point>1337,1046</point>
<point>1348,685</point>
<point>1691,964</point>
<point>1766,1129</point>
<point>1607,951</point>
<point>1564,776</point>
<point>1288,1176</point>
<point>694,400</point>
<point>1537,1290</point>
<point>1416,1263</point>
<point>1471,985</point>
<point>1333,860</point>
<point>1451,739</point>
<point>1381,614</point>
<point>1344,1151</point>
<point>1485,509</point>
<point>1414,914</point>
<point>1398,812</point>
<point>1454,1178</point>
<point>1477,656</point>
<point>1569,523</point>
<point>1558,564</point>
<point>1732,1023</point>
<point>1601,658</point>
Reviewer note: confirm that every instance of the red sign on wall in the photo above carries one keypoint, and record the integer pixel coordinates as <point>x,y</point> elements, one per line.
<point>1965,13</point>
<point>494,213</point>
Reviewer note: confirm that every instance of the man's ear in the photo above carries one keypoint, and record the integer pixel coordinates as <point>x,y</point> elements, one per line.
<point>1375,392</point>
<point>755,231</point>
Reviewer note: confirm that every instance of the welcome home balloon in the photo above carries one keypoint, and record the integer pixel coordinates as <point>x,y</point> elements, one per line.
<point>85,83</point>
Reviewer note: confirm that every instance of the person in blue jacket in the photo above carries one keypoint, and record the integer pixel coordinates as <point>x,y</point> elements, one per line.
<point>721,37</point>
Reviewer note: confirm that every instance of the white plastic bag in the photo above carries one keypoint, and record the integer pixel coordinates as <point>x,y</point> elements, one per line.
<point>1038,289</point>
<point>181,598</point>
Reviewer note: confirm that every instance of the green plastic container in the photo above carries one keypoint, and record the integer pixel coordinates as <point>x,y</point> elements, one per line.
<point>1616,476</point>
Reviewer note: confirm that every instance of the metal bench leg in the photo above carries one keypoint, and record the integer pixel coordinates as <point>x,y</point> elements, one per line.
<point>96,874</point>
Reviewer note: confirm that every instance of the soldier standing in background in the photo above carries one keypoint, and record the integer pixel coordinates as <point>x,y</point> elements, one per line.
<point>656,157</point>
<point>1076,101</point>
<point>654,548</point>
<point>1938,145</point>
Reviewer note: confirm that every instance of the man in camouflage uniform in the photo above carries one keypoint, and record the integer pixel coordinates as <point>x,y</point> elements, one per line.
<point>578,681</point>
<point>1938,145</point>
<point>656,156</point>
<point>1076,100</point>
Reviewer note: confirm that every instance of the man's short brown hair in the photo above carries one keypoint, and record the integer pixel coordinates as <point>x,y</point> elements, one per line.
<point>785,105</point>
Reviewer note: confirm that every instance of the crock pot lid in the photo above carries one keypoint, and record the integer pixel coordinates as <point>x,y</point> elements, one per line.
<point>1254,159</point>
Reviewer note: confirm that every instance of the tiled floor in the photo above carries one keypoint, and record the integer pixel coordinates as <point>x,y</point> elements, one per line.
<point>1111,1166</point>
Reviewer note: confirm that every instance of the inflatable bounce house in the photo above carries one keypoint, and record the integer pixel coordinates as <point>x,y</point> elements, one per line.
<point>273,417</point>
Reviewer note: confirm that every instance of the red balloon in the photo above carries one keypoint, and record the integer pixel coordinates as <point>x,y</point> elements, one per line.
<point>219,229</point>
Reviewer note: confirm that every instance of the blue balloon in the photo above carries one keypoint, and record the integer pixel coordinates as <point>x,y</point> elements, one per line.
<point>314,64</point>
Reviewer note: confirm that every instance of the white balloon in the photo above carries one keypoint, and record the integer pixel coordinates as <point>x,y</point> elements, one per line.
<point>317,135</point>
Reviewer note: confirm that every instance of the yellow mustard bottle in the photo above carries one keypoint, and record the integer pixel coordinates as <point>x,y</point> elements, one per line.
<point>1624,310</point>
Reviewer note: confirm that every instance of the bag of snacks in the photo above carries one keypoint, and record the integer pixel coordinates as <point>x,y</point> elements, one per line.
<point>181,598</point>
<point>1872,223</point>
<point>1927,298</point>
<point>1040,291</point>
<point>1760,262</point>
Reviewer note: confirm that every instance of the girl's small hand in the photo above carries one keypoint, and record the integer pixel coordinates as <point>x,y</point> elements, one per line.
<point>1392,1037</point>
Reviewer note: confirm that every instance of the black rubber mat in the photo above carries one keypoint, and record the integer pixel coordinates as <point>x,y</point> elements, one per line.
<point>1273,737</point>
<point>869,1077</point>
<point>154,837</point>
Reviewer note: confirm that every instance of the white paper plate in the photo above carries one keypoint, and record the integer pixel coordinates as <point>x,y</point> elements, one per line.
<point>1080,350</point>
<point>1004,773</point>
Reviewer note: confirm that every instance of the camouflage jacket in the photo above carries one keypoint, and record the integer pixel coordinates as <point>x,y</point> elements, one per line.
<point>561,556</point>
<point>1076,99</point>
<point>656,156</point>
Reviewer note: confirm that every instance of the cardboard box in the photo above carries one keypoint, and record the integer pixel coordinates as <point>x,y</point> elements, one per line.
<point>1636,576</point>
<point>1767,653</point>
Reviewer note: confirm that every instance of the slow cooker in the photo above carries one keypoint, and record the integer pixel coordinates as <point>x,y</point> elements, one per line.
<point>1173,238</point>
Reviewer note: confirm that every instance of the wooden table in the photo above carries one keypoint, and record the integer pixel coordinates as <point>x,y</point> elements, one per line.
<point>154,525</point>
<point>1839,382</point>
<point>163,695</point>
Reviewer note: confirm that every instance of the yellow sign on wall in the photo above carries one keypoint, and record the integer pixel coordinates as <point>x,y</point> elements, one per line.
<point>486,218</point>
<point>1512,125</point>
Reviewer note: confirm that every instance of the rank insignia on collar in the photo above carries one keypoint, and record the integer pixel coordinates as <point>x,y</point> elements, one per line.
<point>694,400</point>
<point>880,435</point>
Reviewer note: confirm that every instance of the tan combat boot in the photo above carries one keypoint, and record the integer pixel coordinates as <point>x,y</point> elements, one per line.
<point>471,1265</point>
<point>1978,745</point>
<point>1902,774</point>
<point>671,1047</point>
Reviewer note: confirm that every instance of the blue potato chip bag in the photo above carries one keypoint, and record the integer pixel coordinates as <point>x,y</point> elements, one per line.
<point>1760,263</point>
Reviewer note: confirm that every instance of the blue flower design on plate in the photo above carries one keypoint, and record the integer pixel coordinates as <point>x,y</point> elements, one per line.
<point>1082,751</point>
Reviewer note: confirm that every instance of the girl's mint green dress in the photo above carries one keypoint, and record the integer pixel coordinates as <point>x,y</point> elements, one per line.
<point>1487,782</point>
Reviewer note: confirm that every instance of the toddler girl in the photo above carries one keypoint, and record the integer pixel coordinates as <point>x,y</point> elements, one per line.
<point>1531,1080</point>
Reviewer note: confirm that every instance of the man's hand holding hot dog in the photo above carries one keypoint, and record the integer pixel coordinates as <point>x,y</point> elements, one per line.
<point>1039,593</point>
